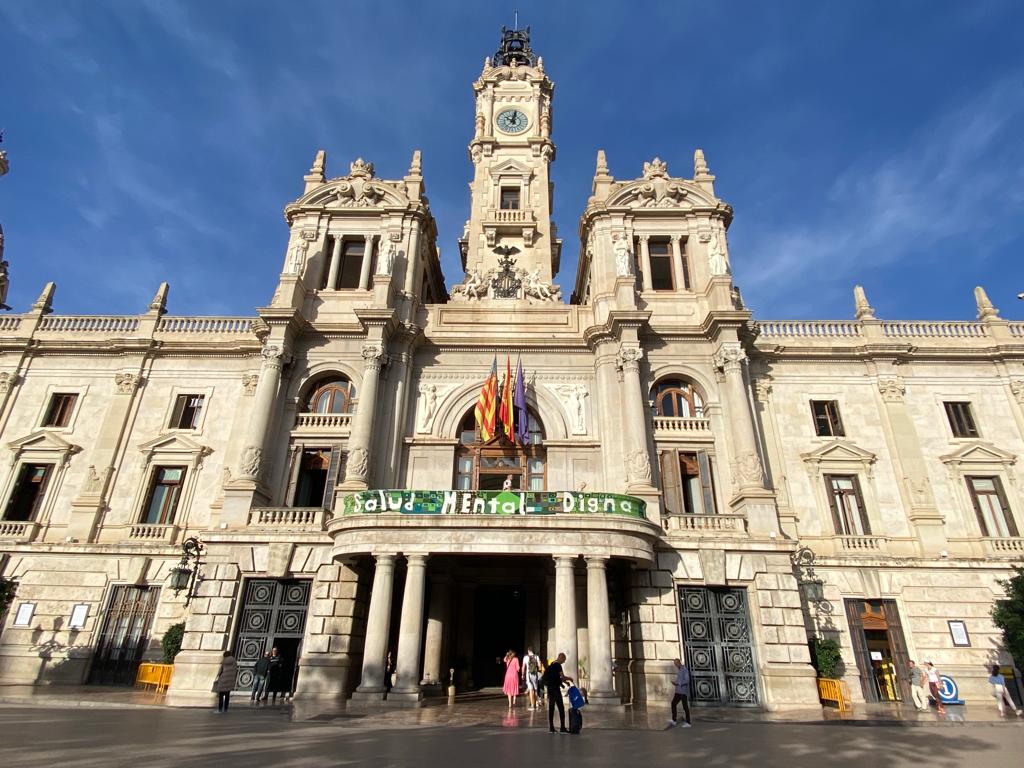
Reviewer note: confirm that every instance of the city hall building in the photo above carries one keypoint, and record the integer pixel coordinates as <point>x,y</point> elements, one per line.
<point>695,483</point>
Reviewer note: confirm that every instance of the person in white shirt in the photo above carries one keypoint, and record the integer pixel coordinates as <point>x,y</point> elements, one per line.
<point>999,691</point>
<point>531,676</point>
<point>934,682</point>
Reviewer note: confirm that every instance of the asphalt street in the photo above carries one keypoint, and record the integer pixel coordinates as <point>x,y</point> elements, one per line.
<point>106,738</point>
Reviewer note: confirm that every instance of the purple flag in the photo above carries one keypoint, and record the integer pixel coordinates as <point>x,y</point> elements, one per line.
<point>519,401</point>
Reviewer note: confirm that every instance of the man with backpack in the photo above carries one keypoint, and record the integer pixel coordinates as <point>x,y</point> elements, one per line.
<point>531,676</point>
<point>553,679</point>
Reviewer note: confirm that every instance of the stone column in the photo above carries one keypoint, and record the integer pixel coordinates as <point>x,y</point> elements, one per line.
<point>748,472</point>
<point>357,468</point>
<point>601,690</point>
<point>677,260</point>
<point>335,266</point>
<point>467,621</point>
<point>378,626</point>
<point>412,258</point>
<point>262,410</point>
<point>407,684</point>
<point>565,613</point>
<point>645,262</point>
<point>364,267</point>
<point>638,463</point>
<point>437,619</point>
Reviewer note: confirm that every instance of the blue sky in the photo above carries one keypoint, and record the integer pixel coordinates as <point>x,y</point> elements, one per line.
<point>872,142</point>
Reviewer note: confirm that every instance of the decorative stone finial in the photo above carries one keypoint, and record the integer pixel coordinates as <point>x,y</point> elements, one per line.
<point>985,308</point>
<point>319,164</point>
<point>700,166</point>
<point>416,166</point>
<point>159,302</point>
<point>487,63</point>
<point>655,168</point>
<point>602,164</point>
<point>44,304</point>
<point>360,169</point>
<point>863,310</point>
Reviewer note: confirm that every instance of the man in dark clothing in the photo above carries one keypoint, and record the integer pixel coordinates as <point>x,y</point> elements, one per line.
<point>274,670</point>
<point>553,680</point>
<point>259,677</point>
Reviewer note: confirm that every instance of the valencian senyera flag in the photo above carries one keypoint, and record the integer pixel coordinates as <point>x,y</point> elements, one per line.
<point>519,401</point>
<point>486,404</point>
<point>506,410</point>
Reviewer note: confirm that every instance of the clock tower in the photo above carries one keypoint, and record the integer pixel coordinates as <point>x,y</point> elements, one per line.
<point>509,246</point>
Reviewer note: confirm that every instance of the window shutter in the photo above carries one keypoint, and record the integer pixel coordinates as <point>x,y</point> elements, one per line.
<point>833,505</point>
<point>179,407</point>
<point>332,476</point>
<point>670,484</point>
<point>977,506</point>
<point>1011,525</point>
<point>706,485</point>
<point>837,426</point>
<point>861,509</point>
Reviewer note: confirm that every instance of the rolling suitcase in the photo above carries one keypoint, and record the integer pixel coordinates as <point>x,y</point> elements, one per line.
<point>575,720</point>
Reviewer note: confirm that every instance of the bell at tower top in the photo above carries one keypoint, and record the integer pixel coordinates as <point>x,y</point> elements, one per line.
<point>515,48</point>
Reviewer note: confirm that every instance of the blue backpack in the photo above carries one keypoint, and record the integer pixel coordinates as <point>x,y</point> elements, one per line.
<point>576,700</point>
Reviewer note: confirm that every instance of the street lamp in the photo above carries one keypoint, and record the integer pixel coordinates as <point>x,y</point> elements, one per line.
<point>182,577</point>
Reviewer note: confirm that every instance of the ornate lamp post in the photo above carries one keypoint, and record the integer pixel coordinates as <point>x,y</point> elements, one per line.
<point>184,578</point>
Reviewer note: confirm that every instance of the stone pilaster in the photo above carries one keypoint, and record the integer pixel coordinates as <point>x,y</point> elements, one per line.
<point>407,683</point>
<point>565,614</point>
<point>601,690</point>
<point>357,468</point>
<point>378,625</point>
<point>645,262</point>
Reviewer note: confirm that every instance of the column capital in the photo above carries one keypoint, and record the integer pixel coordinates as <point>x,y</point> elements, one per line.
<point>565,561</point>
<point>891,388</point>
<point>644,238</point>
<point>730,357</point>
<point>384,559</point>
<point>273,357</point>
<point>373,356</point>
<point>417,560</point>
<point>596,562</point>
<point>628,358</point>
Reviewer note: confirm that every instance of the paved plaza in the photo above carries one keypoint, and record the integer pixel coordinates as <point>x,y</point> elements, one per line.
<point>483,734</point>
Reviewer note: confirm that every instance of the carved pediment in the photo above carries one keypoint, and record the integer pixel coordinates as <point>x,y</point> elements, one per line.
<point>355,192</point>
<point>839,451</point>
<point>175,444</point>
<point>509,167</point>
<point>660,191</point>
<point>979,452</point>
<point>43,440</point>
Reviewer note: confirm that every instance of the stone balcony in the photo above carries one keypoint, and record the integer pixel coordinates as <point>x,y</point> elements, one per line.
<point>322,423</point>
<point>872,545</point>
<point>557,523</point>
<point>1005,547</point>
<point>18,532</point>
<point>710,525</point>
<point>305,519</point>
<point>672,427</point>
<point>146,533</point>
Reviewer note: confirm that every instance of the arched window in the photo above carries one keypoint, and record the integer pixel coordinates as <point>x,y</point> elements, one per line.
<point>335,395</point>
<point>677,398</point>
<point>485,466</point>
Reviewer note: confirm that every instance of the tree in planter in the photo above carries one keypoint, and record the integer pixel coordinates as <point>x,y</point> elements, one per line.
<point>171,641</point>
<point>1008,615</point>
<point>827,658</point>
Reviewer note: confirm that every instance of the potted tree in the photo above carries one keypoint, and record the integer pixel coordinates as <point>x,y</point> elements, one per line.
<point>828,659</point>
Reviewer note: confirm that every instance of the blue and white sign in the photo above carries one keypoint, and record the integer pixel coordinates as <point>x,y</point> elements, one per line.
<point>949,691</point>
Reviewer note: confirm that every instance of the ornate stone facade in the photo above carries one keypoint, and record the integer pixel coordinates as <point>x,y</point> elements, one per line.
<point>699,460</point>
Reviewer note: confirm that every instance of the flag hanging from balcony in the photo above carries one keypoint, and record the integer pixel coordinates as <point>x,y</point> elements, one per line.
<point>519,401</point>
<point>486,405</point>
<point>506,410</point>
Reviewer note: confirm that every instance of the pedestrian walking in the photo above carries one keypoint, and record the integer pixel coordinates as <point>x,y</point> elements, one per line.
<point>389,672</point>
<point>553,680</point>
<point>511,686</point>
<point>275,671</point>
<point>531,676</point>
<point>224,682</point>
<point>682,693</point>
<point>259,677</point>
<point>933,686</point>
<point>999,691</point>
<point>918,687</point>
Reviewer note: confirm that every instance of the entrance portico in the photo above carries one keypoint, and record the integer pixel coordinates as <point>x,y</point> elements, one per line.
<point>511,558</point>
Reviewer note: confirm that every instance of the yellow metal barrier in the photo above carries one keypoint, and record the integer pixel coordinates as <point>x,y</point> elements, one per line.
<point>834,690</point>
<point>156,675</point>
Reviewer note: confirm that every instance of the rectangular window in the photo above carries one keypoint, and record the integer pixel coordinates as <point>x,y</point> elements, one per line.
<point>163,496</point>
<point>510,198</point>
<point>826,418</point>
<point>847,503</point>
<point>62,404</point>
<point>351,263</point>
<point>961,420</point>
<point>990,506</point>
<point>313,467</point>
<point>535,474</point>
<point>186,411</point>
<point>28,492</point>
<point>661,265</point>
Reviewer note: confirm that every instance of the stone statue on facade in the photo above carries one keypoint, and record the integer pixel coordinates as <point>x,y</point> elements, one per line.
<point>297,257</point>
<point>623,256</point>
<point>535,288</point>
<point>473,288</point>
<point>575,395</point>
<point>386,257</point>
<point>5,280</point>
<point>638,468</point>
<point>718,263</point>
<point>428,401</point>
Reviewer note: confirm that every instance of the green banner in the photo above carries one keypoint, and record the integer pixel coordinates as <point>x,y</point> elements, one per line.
<point>492,503</point>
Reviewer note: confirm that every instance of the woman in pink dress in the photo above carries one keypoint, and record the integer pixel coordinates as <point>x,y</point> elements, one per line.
<point>511,686</point>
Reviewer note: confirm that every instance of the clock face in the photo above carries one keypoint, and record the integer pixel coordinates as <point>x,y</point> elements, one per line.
<point>512,121</point>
